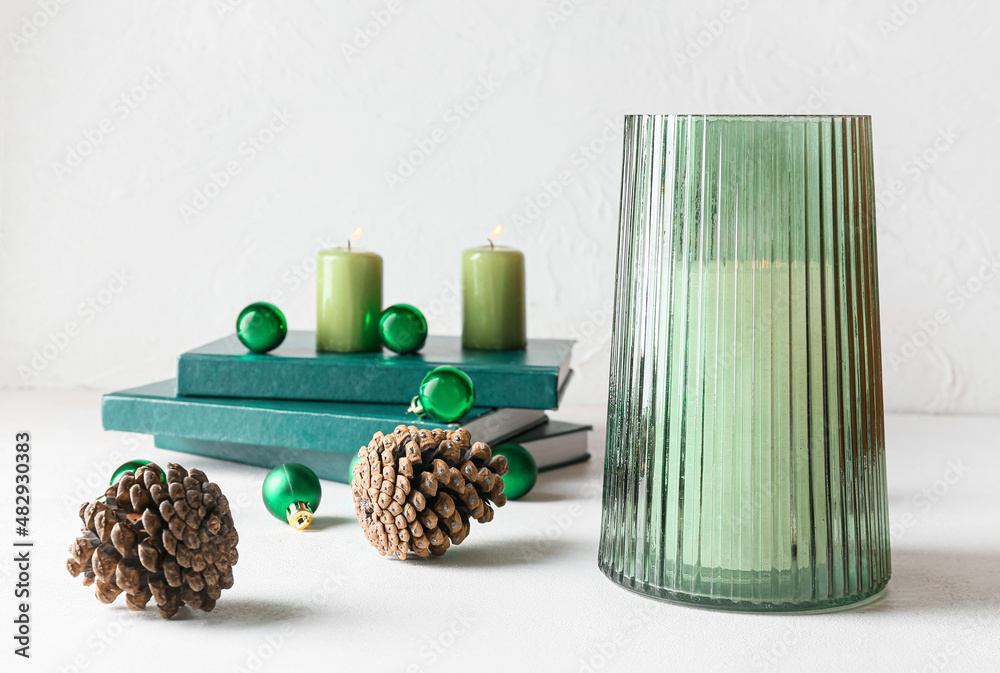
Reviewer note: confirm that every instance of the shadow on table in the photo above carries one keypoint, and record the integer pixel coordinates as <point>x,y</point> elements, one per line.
<point>506,553</point>
<point>243,612</point>
<point>323,522</point>
<point>937,579</point>
<point>535,495</point>
<point>583,480</point>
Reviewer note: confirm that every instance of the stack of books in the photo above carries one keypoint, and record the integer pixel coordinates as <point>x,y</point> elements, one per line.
<point>296,405</point>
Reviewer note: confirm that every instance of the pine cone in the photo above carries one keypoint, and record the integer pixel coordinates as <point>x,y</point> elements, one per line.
<point>173,542</point>
<point>415,490</point>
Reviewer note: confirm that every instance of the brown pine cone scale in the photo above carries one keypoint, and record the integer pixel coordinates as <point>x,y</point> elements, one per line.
<point>169,541</point>
<point>415,490</point>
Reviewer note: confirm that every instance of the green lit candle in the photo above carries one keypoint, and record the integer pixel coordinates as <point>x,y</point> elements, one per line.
<point>493,309</point>
<point>348,300</point>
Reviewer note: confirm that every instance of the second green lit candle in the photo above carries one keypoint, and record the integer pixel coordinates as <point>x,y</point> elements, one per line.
<point>493,309</point>
<point>348,300</point>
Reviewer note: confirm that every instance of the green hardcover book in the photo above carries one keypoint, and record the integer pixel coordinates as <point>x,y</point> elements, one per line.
<point>553,444</point>
<point>528,379</point>
<point>329,465</point>
<point>325,426</point>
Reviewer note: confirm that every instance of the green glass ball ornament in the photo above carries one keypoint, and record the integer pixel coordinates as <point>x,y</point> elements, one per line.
<point>131,466</point>
<point>446,395</point>
<point>350,468</point>
<point>261,327</point>
<point>402,329</point>
<point>522,470</point>
<point>292,493</point>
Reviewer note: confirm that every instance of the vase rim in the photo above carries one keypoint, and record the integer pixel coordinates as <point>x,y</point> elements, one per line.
<point>754,117</point>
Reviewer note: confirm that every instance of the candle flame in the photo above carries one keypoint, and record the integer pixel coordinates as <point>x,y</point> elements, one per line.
<point>497,230</point>
<point>356,235</point>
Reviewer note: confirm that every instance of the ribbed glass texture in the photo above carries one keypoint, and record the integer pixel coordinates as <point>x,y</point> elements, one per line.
<point>745,464</point>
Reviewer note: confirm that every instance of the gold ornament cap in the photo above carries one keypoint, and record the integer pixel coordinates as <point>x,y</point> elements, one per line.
<point>299,515</point>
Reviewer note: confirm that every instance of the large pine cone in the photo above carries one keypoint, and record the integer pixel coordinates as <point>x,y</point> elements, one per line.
<point>415,490</point>
<point>173,542</point>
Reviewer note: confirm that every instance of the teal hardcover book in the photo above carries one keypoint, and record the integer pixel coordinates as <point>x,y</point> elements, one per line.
<point>330,465</point>
<point>553,444</point>
<point>326,426</point>
<point>528,379</point>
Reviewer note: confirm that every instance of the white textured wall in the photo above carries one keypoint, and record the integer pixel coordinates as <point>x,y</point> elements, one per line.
<point>509,100</point>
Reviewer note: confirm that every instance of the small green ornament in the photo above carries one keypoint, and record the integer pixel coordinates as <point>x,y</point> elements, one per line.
<point>402,329</point>
<point>350,468</point>
<point>131,466</point>
<point>261,327</point>
<point>292,493</point>
<point>522,470</point>
<point>446,395</point>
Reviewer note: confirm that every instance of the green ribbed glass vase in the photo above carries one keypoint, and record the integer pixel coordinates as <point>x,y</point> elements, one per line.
<point>745,464</point>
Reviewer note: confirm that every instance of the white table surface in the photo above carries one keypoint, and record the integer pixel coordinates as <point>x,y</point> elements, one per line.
<point>522,593</point>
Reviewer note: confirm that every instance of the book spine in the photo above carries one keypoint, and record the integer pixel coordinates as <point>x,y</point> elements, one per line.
<point>242,425</point>
<point>329,465</point>
<point>277,379</point>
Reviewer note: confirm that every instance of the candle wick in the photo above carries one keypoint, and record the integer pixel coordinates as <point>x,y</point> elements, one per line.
<point>348,245</point>
<point>491,243</point>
